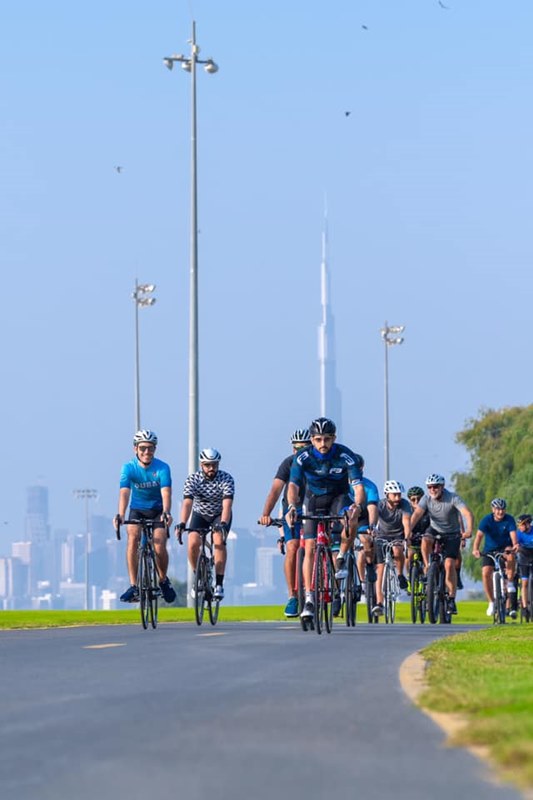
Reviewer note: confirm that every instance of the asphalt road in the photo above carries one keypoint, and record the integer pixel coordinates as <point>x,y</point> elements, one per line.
<point>257,711</point>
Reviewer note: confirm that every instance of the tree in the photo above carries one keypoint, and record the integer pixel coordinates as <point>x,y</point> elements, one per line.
<point>500,445</point>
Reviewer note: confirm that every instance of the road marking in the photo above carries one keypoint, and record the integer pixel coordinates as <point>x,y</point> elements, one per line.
<point>222,633</point>
<point>102,646</point>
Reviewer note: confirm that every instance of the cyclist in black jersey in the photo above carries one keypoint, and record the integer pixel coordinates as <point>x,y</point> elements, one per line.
<point>328,470</point>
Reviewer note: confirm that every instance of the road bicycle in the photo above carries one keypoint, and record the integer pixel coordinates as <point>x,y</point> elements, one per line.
<point>389,582</point>
<point>370,592</point>
<point>350,587</point>
<point>526,609</point>
<point>298,586</point>
<point>323,581</point>
<point>204,576</point>
<point>417,586</point>
<point>499,588</point>
<point>437,593</point>
<point>147,573</point>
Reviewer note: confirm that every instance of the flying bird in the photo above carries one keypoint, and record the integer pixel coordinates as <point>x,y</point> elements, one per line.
<point>119,169</point>
<point>364,27</point>
<point>441,4</point>
<point>347,113</point>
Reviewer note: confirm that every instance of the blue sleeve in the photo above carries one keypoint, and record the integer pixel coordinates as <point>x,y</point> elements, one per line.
<point>372,494</point>
<point>165,476</point>
<point>125,476</point>
<point>484,524</point>
<point>297,473</point>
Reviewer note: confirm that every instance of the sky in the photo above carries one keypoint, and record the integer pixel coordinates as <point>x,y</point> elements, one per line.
<point>428,185</point>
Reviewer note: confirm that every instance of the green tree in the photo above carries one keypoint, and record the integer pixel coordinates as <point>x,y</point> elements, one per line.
<point>500,445</point>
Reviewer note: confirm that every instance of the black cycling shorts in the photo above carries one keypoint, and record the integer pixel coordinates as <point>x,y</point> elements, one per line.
<point>324,504</point>
<point>151,513</point>
<point>199,522</point>
<point>450,542</point>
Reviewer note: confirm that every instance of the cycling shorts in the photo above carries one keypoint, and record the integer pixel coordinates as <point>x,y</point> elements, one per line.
<point>324,504</point>
<point>486,561</point>
<point>148,513</point>
<point>291,534</point>
<point>199,522</point>
<point>450,542</point>
<point>525,560</point>
<point>379,550</point>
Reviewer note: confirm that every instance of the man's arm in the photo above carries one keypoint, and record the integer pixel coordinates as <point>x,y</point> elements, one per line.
<point>293,494</point>
<point>227,505</point>
<point>373,515</point>
<point>416,516</point>
<point>477,543</point>
<point>271,500</point>
<point>123,500</point>
<point>406,522</point>
<point>465,511</point>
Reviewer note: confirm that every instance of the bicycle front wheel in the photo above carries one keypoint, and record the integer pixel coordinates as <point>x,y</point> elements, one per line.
<point>200,588</point>
<point>213,605</point>
<point>370,594</point>
<point>413,582</point>
<point>143,584</point>
<point>151,571</point>
<point>499,599</point>
<point>433,592</point>
<point>389,594</point>
<point>350,592</point>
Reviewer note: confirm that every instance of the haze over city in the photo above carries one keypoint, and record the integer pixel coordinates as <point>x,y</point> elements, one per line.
<point>413,121</point>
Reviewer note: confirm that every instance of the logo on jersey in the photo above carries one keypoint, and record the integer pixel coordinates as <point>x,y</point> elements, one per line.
<point>336,471</point>
<point>301,458</point>
<point>348,460</point>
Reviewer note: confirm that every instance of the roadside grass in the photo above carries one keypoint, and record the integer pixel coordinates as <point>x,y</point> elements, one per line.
<point>487,677</point>
<point>470,613</point>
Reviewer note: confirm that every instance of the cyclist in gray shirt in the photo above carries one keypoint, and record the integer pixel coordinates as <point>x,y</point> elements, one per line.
<point>445,510</point>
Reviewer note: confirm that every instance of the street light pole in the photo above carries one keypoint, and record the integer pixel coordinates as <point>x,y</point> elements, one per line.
<point>86,494</point>
<point>389,340</point>
<point>141,300</point>
<point>189,63</point>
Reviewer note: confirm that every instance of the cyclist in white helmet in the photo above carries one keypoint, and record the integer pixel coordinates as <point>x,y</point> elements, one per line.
<point>208,500</point>
<point>394,514</point>
<point>445,510</point>
<point>300,438</point>
<point>148,481</point>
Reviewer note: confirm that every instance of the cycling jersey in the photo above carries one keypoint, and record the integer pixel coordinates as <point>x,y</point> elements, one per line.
<point>497,532</point>
<point>284,474</point>
<point>330,473</point>
<point>525,539</point>
<point>207,494</point>
<point>371,499</point>
<point>390,522</point>
<point>145,483</point>
<point>444,513</point>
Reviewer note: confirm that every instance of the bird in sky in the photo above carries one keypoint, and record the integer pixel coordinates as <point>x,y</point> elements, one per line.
<point>347,113</point>
<point>441,4</point>
<point>119,169</point>
<point>364,27</point>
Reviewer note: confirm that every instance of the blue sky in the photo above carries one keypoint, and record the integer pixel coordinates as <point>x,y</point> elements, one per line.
<point>428,183</point>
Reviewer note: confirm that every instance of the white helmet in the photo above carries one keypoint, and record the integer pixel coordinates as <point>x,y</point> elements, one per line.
<point>145,436</point>
<point>435,480</point>
<point>209,454</point>
<point>393,487</point>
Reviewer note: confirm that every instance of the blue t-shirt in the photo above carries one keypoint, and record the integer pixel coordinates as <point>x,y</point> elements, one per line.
<point>497,533</point>
<point>328,474</point>
<point>371,498</point>
<point>145,484</point>
<point>525,539</point>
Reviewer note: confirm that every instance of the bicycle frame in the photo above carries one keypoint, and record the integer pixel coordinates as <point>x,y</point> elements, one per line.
<point>390,584</point>
<point>437,592</point>
<point>204,586</point>
<point>147,571</point>
<point>499,589</point>
<point>323,583</point>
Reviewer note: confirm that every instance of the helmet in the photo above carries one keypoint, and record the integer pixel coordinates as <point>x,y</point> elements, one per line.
<point>435,480</point>
<point>145,436</point>
<point>300,435</point>
<point>209,454</point>
<point>322,425</point>
<point>524,518</point>
<point>392,487</point>
<point>415,491</point>
<point>498,502</point>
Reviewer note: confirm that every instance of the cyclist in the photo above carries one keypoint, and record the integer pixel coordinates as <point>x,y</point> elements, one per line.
<point>525,553</point>
<point>498,529</point>
<point>445,509</point>
<point>414,495</point>
<point>148,482</point>
<point>394,514</point>
<point>321,474</point>
<point>299,439</point>
<point>208,494</point>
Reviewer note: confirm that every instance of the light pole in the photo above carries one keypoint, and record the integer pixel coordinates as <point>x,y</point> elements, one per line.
<point>86,494</point>
<point>389,339</point>
<point>189,63</point>
<point>141,300</point>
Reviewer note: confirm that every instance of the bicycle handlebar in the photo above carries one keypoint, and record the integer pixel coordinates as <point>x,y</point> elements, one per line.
<point>148,523</point>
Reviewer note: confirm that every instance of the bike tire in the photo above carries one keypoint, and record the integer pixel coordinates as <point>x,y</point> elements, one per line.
<point>350,592</point>
<point>300,586</point>
<point>445,617</point>
<point>330,587</point>
<point>529,605</point>
<point>200,588</point>
<point>499,600</point>
<point>142,583</point>
<point>213,605</point>
<point>319,590</point>
<point>413,582</point>
<point>422,595</point>
<point>390,599</point>
<point>153,603</point>
<point>433,592</point>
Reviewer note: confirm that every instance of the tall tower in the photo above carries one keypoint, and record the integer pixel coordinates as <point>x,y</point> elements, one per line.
<point>330,396</point>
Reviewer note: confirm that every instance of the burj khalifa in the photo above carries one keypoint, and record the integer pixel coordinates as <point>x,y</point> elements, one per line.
<point>330,396</point>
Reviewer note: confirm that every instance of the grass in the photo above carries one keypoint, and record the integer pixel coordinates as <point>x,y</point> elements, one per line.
<point>486,676</point>
<point>470,613</point>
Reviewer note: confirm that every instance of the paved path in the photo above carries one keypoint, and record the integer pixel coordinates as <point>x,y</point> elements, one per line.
<point>259,711</point>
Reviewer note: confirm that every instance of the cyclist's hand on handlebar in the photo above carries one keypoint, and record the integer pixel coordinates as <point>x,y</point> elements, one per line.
<point>166,517</point>
<point>180,527</point>
<point>265,519</point>
<point>222,527</point>
<point>118,520</point>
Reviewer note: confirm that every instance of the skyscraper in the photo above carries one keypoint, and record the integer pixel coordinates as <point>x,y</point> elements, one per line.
<point>330,396</point>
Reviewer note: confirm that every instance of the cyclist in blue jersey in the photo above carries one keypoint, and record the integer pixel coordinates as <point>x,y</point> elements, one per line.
<point>321,475</point>
<point>361,526</point>
<point>498,530</point>
<point>147,482</point>
<point>525,556</point>
<point>299,439</point>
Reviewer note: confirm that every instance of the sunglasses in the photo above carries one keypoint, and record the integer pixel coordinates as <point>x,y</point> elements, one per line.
<point>149,449</point>
<point>435,486</point>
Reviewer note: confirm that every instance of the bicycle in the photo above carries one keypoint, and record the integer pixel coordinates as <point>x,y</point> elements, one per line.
<point>147,573</point>
<point>526,610</point>
<point>323,581</point>
<point>437,592</point>
<point>350,587</point>
<point>418,586</point>
<point>389,582</point>
<point>498,588</point>
<point>299,586</point>
<point>204,576</point>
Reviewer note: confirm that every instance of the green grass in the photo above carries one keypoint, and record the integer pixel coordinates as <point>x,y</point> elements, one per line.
<point>487,677</point>
<point>469,613</point>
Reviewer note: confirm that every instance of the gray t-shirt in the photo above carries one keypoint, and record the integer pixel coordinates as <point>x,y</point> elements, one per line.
<point>391,519</point>
<point>444,514</point>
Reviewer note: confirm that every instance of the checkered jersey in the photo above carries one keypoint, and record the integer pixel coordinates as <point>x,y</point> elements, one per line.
<point>207,495</point>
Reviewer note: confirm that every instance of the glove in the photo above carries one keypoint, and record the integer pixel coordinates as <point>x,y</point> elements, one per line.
<point>180,527</point>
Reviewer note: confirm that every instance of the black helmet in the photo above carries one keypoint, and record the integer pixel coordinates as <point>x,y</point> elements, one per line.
<point>524,518</point>
<point>415,491</point>
<point>321,426</point>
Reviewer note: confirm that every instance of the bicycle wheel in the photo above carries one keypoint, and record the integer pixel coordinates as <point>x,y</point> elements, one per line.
<point>318,571</point>
<point>300,586</point>
<point>529,606</point>
<point>349,592</point>
<point>370,594</point>
<point>389,594</point>
<point>144,586</point>
<point>154,590</point>
<point>213,605</point>
<point>499,599</point>
<point>330,588</point>
<point>444,615</point>
<point>200,588</point>
<point>421,591</point>
<point>432,589</point>
<point>413,582</point>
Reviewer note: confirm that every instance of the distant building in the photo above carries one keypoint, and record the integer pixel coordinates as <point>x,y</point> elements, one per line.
<point>330,396</point>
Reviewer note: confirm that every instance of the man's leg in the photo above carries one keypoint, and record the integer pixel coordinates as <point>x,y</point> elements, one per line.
<point>193,548</point>
<point>426,548</point>
<point>132,557</point>
<point>451,576</point>
<point>486,578</point>
<point>161,552</point>
<point>220,554</point>
<point>289,567</point>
